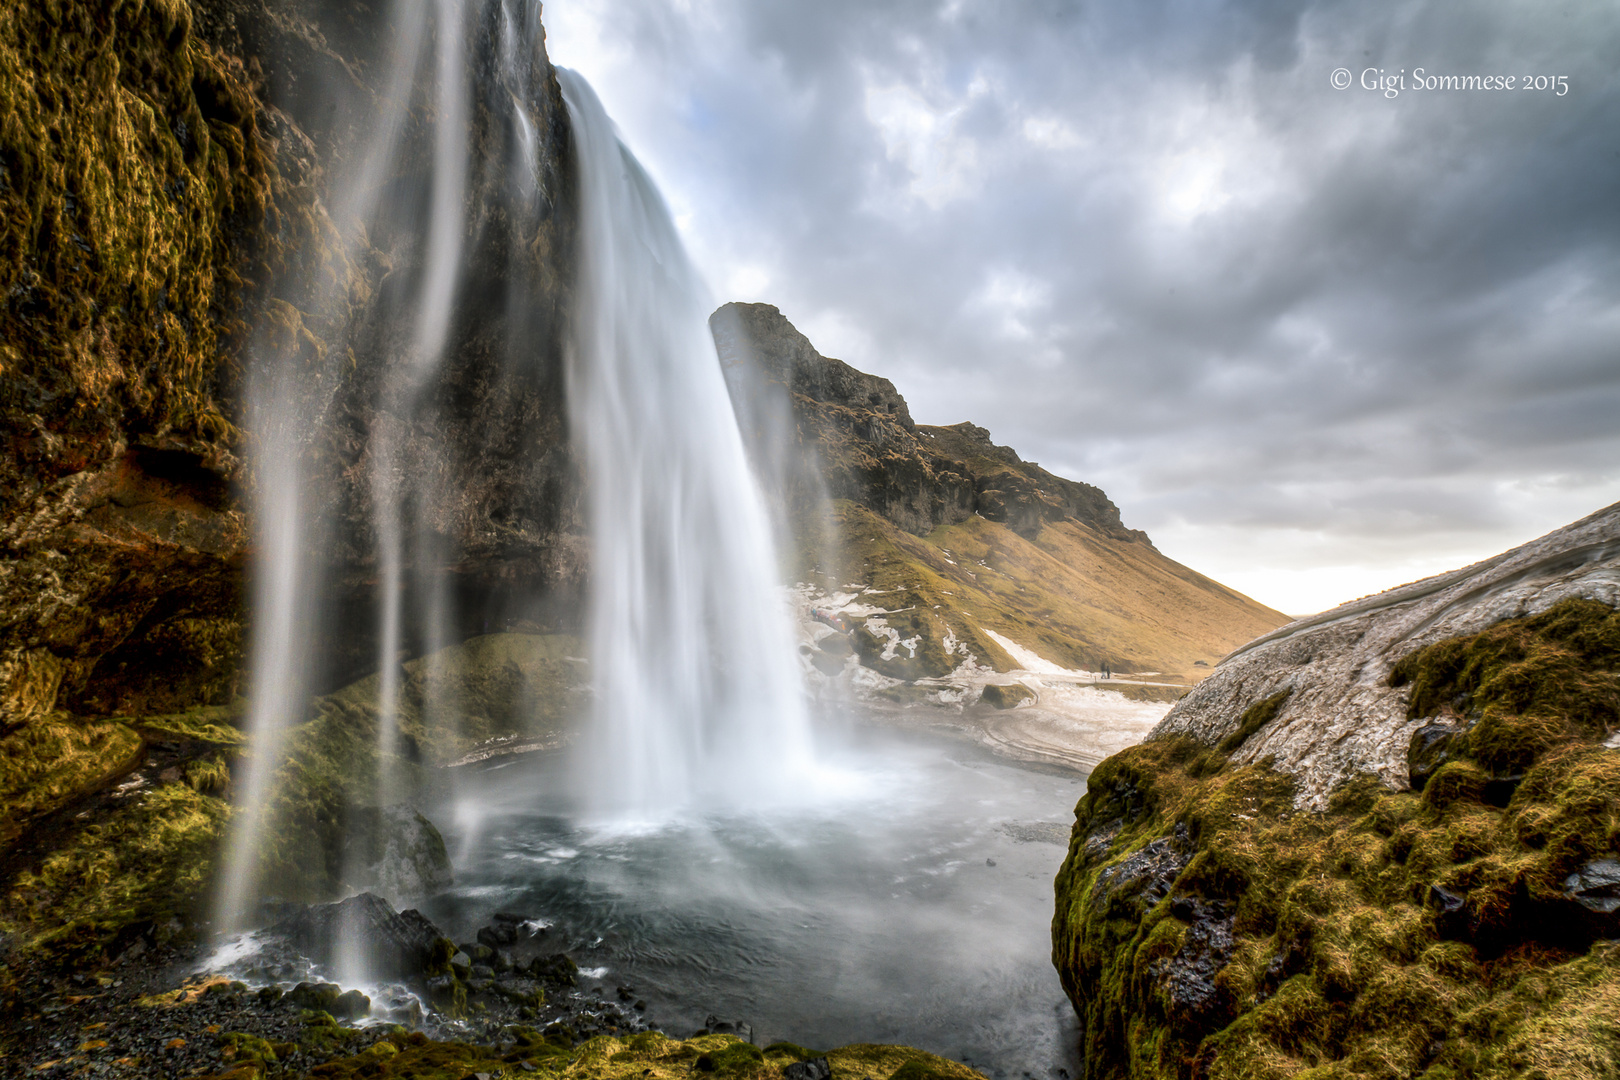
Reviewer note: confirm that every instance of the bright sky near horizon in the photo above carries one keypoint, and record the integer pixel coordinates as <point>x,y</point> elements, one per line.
<point>1318,342</point>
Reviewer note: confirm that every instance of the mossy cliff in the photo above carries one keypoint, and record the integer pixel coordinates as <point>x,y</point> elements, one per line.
<point>167,182</point>
<point>1223,914</point>
<point>143,223</point>
<point>952,535</point>
<point>137,224</point>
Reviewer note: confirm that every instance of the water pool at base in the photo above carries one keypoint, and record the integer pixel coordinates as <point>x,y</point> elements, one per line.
<point>915,907</point>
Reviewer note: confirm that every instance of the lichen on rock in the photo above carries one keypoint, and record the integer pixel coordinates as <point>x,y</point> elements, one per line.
<point>1208,926</point>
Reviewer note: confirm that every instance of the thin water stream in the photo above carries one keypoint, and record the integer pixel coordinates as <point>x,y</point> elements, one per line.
<point>913,905</point>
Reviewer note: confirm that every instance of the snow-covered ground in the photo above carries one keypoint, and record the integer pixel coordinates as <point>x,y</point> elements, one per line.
<point>1069,721</point>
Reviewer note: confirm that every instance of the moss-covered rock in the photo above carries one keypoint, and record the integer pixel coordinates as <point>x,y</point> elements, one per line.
<point>144,870</point>
<point>493,694</point>
<point>1007,696</point>
<point>647,1056</point>
<point>47,763</point>
<point>1206,927</point>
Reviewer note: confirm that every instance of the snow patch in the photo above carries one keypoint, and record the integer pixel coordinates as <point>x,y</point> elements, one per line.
<point>1031,661</point>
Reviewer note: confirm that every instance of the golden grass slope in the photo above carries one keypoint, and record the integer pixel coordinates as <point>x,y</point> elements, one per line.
<point>1074,596</point>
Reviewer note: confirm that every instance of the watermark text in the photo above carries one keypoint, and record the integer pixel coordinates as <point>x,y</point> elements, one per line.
<point>1420,81</point>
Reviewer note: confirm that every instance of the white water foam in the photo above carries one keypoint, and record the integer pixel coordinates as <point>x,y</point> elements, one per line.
<point>698,697</point>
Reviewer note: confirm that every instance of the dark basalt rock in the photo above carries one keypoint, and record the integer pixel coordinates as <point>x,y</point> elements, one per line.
<point>396,851</point>
<point>1429,749</point>
<point>1143,878</point>
<point>389,944</point>
<point>494,937</point>
<point>558,968</point>
<point>1187,979</point>
<point>1596,886</point>
<point>1100,838</point>
<point>814,1069</point>
<point>1450,912</point>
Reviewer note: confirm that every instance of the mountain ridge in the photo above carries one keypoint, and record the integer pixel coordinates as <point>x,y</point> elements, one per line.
<point>961,533</point>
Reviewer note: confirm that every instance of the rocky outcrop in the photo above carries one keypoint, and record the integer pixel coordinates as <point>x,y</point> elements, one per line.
<point>869,451</point>
<point>134,310</point>
<point>382,942</point>
<point>138,201</point>
<point>1357,845</point>
<point>956,544</point>
<point>171,226</point>
<point>396,851</point>
<point>1345,716</point>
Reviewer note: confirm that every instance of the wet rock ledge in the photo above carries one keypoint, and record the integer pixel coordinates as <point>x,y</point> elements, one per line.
<point>1381,842</point>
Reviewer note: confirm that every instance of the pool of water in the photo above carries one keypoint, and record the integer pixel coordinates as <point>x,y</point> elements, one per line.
<point>912,904</point>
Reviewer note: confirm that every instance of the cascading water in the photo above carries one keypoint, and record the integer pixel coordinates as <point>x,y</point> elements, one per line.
<point>698,696</point>
<point>437,333</point>
<point>697,692</point>
<point>295,408</point>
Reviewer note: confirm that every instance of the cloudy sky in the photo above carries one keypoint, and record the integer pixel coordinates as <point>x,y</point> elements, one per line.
<point>1317,342</point>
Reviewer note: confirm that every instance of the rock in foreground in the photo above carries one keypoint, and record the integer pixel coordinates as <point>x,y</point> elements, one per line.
<point>1277,883</point>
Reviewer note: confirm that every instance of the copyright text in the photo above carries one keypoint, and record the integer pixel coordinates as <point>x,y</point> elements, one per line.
<point>1390,84</point>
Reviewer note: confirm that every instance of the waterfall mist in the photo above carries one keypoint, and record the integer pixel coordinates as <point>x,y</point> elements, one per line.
<point>697,688</point>
<point>478,326</point>
<point>426,295</point>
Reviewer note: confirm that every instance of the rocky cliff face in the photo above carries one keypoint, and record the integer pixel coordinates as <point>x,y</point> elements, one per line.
<point>870,452</point>
<point>952,540</point>
<point>168,216</point>
<point>139,211</point>
<point>1377,841</point>
<point>171,223</point>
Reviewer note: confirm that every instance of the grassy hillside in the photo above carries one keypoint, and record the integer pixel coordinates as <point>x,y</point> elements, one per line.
<point>1076,597</point>
<point>951,535</point>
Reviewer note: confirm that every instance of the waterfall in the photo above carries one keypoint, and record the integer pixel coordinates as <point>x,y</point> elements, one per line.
<point>697,689</point>
<point>434,288</point>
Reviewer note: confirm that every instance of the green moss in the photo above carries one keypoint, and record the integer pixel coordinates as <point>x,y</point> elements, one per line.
<point>330,764</point>
<point>217,724</point>
<point>1559,666</point>
<point>1253,719</point>
<point>241,1047</point>
<point>133,186</point>
<point>791,1051</point>
<point>1397,934</point>
<point>647,1056</point>
<point>150,863</point>
<point>50,762</point>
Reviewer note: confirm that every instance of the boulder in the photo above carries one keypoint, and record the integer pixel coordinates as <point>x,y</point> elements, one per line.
<point>396,852</point>
<point>388,944</point>
<point>1006,697</point>
<point>814,1069</point>
<point>557,968</point>
<point>1596,886</point>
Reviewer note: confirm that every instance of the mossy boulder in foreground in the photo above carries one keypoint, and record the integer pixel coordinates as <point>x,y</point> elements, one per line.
<point>1207,925</point>
<point>647,1056</point>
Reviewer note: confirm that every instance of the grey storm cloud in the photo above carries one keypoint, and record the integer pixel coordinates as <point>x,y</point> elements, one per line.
<point>1151,246</point>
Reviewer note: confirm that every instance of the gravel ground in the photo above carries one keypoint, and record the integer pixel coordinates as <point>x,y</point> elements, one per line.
<point>155,1016</point>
